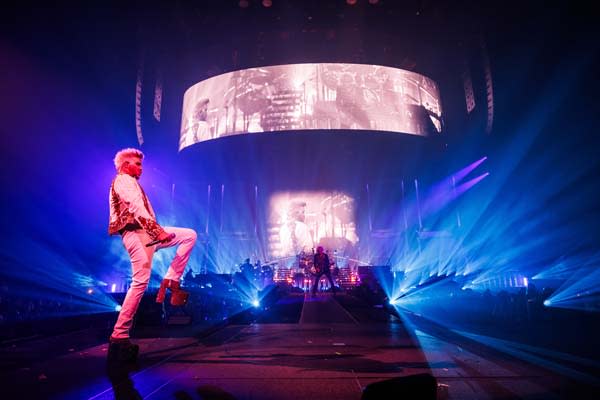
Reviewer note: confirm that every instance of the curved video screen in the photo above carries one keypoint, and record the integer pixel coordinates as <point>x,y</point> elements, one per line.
<point>310,96</point>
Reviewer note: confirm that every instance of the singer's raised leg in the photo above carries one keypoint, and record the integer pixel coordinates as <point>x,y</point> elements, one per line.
<point>185,239</point>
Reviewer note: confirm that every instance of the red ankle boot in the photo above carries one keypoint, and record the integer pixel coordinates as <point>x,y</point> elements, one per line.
<point>160,296</point>
<point>179,297</point>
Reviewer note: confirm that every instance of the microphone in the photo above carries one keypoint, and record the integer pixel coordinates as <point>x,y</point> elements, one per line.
<point>157,241</point>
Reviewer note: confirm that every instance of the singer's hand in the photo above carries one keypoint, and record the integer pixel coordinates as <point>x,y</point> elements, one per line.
<point>164,237</point>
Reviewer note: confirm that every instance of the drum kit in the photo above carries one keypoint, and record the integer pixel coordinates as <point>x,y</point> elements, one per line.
<point>305,263</point>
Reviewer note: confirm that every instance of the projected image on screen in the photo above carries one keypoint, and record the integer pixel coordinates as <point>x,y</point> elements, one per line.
<point>300,221</point>
<point>310,96</point>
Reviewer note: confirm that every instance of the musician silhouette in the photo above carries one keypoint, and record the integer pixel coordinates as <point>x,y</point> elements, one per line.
<point>323,267</point>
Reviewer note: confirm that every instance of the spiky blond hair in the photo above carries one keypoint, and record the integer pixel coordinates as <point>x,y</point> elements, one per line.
<point>126,153</point>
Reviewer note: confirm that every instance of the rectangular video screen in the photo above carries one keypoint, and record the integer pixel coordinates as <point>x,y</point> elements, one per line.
<point>310,97</point>
<point>298,222</point>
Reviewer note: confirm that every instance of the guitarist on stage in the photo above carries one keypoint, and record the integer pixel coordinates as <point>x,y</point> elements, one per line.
<point>323,267</point>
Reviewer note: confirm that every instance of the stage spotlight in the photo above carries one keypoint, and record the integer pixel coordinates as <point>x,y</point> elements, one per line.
<point>256,303</point>
<point>113,288</point>
<point>118,307</point>
<point>394,302</point>
<point>267,3</point>
<point>90,291</point>
<point>547,303</point>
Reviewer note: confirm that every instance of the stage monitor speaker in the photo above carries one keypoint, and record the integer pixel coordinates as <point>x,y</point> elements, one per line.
<point>413,387</point>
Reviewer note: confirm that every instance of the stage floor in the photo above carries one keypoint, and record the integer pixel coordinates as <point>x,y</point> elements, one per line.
<point>331,349</point>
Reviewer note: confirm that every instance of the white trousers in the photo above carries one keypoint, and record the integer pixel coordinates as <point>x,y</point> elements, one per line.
<point>141,268</point>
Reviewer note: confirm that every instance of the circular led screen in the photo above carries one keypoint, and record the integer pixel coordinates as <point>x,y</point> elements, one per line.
<point>310,96</point>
